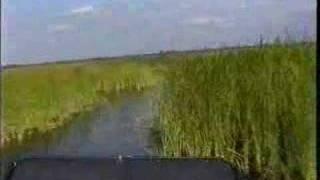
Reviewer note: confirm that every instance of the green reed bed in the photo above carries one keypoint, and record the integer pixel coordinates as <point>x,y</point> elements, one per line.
<point>254,108</point>
<point>45,97</point>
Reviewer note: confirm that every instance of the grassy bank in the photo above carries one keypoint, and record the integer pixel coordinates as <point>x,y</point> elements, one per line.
<point>254,108</point>
<point>44,97</point>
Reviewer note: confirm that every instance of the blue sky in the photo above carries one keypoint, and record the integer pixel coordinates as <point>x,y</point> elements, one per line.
<point>43,31</point>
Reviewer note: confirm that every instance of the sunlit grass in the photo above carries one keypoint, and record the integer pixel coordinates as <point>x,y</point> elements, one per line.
<point>44,97</point>
<point>254,108</point>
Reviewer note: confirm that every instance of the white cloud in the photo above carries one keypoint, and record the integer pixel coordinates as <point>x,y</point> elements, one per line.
<point>218,20</point>
<point>243,4</point>
<point>199,21</point>
<point>82,10</point>
<point>59,28</point>
<point>214,20</point>
<point>185,5</point>
<point>262,3</point>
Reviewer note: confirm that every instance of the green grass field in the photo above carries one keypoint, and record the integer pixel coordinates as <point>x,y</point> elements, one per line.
<point>44,97</point>
<point>254,108</point>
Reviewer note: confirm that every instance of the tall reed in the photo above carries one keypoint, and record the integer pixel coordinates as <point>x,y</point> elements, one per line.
<point>254,108</point>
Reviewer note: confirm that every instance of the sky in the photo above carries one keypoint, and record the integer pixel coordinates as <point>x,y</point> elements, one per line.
<point>52,30</point>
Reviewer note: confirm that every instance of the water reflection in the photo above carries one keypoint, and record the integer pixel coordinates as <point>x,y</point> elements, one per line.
<point>120,126</point>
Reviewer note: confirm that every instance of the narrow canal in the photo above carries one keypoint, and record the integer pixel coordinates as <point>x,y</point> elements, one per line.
<point>118,128</point>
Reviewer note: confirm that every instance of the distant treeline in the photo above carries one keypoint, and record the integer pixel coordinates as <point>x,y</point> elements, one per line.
<point>150,56</point>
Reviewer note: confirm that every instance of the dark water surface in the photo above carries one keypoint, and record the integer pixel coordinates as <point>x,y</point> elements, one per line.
<point>118,128</point>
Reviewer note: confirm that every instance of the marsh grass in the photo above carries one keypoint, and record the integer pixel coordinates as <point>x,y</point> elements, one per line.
<point>254,108</point>
<point>41,98</point>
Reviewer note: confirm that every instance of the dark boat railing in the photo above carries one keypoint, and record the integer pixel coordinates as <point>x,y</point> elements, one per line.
<point>121,168</point>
